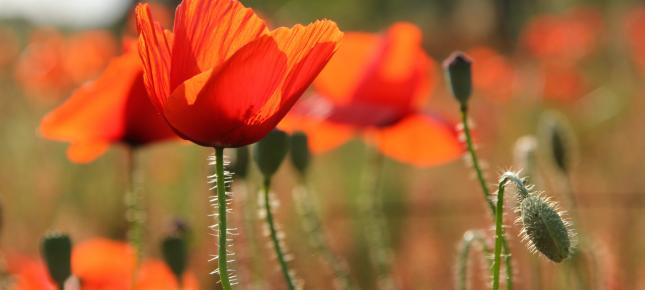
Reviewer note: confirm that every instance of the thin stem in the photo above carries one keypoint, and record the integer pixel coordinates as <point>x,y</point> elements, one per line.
<point>222,261</point>
<point>499,233</point>
<point>482,183</point>
<point>273,231</point>
<point>314,228</point>
<point>470,238</point>
<point>135,214</point>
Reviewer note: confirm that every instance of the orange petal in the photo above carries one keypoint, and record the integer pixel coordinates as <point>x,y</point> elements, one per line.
<point>86,152</point>
<point>207,33</point>
<point>339,78</point>
<point>95,112</point>
<point>155,275</point>
<point>221,108</point>
<point>323,136</point>
<point>155,48</point>
<point>419,140</point>
<point>103,262</point>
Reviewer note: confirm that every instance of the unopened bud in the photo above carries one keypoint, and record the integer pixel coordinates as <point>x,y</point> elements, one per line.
<point>458,74</point>
<point>270,151</point>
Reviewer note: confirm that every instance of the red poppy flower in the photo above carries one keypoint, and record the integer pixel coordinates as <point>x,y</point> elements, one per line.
<point>221,78</point>
<point>493,75</point>
<point>563,38</point>
<point>379,83</point>
<point>635,30</point>
<point>114,108</point>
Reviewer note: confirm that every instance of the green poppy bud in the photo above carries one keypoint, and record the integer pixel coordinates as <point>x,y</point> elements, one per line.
<point>56,250</point>
<point>175,254</point>
<point>241,164</point>
<point>558,139</point>
<point>544,229</point>
<point>270,151</point>
<point>299,152</point>
<point>458,74</point>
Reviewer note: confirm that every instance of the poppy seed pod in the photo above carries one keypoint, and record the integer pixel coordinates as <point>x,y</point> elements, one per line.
<point>299,152</point>
<point>240,166</point>
<point>544,228</point>
<point>175,254</point>
<point>56,250</point>
<point>270,151</point>
<point>458,74</point>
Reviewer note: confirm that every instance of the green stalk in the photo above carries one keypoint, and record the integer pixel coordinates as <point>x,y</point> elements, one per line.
<point>273,231</point>
<point>499,234</point>
<point>482,183</point>
<point>135,214</point>
<point>470,238</point>
<point>222,261</point>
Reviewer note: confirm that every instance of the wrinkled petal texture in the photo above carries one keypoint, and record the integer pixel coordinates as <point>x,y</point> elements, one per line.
<point>226,80</point>
<point>420,140</point>
<point>114,108</point>
<point>376,80</point>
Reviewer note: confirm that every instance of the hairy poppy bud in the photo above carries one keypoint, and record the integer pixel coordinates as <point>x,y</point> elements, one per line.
<point>270,151</point>
<point>175,254</point>
<point>458,74</point>
<point>240,166</point>
<point>299,152</point>
<point>544,229</point>
<point>56,250</point>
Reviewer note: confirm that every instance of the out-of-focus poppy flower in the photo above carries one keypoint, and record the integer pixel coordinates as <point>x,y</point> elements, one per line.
<point>102,264</point>
<point>114,108</point>
<point>635,32</point>
<point>562,83</point>
<point>568,37</point>
<point>52,64</point>
<point>493,75</point>
<point>378,83</point>
<point>9,48</point>
<point>222,79</point>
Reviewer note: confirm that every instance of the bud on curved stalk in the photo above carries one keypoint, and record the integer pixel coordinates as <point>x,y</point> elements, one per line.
<point>558,139</point>
<point>268,155</point>
<point>175,254</point>
<point>544,229</point>
<point>458,73</point>
<point>56,250</point>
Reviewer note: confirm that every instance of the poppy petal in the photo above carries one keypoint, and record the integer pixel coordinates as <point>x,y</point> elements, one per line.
<point>419,140</point>
<point>207,33</point>
<point>339,78</point>
<point>155,47</point>
<point>229,97</point>
<point>323,136</point>
<point>86,152</point>
<point>104,262</point>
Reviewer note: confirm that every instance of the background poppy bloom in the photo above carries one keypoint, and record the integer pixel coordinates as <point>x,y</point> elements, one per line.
<point>222,79</point>
<point>114,108</point>
<point>378,84</point>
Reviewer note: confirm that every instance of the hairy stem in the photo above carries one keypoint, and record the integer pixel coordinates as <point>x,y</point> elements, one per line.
<point>222,261</point>
<point>135,214</point>
<point>470,238</point>
<point>275,239</point>
<point>482,183</point>
<point>499,234</point>
<point>314,228</point>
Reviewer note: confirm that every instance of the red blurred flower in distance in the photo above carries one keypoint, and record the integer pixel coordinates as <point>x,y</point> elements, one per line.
<point>493,75</point>
<point>87,53</point>
<point>221,78</point>
<point>563,82</point>
<point>102,264</point>
<point>115,108</point>
<point>378,84</point>
<point>635,32</point>
<point>567,37</point>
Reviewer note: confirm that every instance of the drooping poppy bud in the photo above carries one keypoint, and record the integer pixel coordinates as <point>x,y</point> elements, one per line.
<point>299,152</point>
<point>270,151</point>
<point>544,228</point>
<point>56,250</point>
<point>558,139</point>
<point>240,166</point>
<point>458,74</point>
<point>175,254</point>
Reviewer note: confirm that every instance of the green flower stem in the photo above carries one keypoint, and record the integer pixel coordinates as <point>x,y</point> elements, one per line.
<point>222,261</point>
<point>273,231</point>
<point>482,183</point>
<point>135,214</point>
<point>314,228</point>
<point>471,237</point>
<point>499,233</point>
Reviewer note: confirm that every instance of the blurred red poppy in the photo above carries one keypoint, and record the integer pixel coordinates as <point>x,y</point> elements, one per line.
<point>567,37</point>
<point>563,82</point>
<point>87,54</point>
<point>222,79</point>
<point>635,32</point>
<point>379,83</point>
<point>102,264</point>
<point>493,75</point>
<point>113,109</point>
